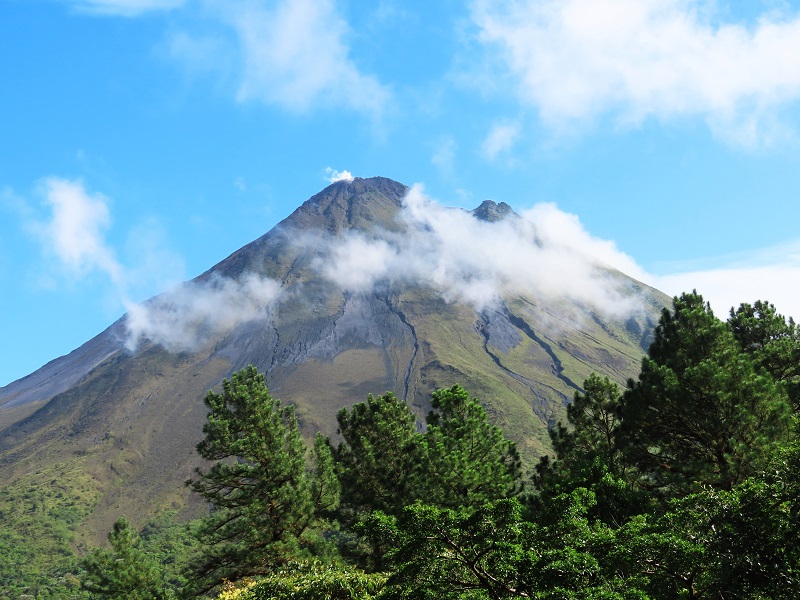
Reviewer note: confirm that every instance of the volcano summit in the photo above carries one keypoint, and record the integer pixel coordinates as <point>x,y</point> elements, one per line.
<point>366,287</point>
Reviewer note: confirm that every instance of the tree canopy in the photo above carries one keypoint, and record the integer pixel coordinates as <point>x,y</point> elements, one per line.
<point>700,412</point>
<point>378,459</point>
<point>124,572</point>
<point>684,485</point>
<point>261,497</point>
<point>466,461</point>
<point>772,342</point>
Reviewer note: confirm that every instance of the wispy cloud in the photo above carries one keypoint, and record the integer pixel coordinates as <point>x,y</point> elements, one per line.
<point>195,313</point>
<point>125,8</point>
<point>295,55</point>
<point>288,53</point>
<point>75,233</point>
<point>546,254</point>
<point>197,54</point>
<point>573,60</point>
<point>73,236</point>
<point>500,139</point>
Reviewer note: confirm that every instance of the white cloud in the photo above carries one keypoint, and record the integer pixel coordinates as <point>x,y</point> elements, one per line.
<point>125,8</point>
<point>500,139</point>
<point>356,263</point>
<point>75,233</point>
<point>73,236</point>
<point>558,229</point>
<point>332,175</point>
<point>771,274</point>
<point>195,313</point>
<point>546,253</point>
<point>294,55</point>
<point>289,53</point>
<point>574,60</point>
<point>183,319</point>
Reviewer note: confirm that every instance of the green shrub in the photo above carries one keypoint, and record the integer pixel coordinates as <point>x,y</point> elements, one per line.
<point>317,582</point>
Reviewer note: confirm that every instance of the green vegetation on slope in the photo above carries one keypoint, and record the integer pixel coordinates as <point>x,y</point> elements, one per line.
<point>685,485</point>
<point>39,514</point>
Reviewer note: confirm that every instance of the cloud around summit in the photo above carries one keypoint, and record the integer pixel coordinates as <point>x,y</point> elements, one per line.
<point>195,313</point>
<point>332,175</point>
<point>546,254</point>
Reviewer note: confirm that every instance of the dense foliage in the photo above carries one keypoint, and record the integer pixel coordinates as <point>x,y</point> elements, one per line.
<point>467,461</point>
<point>461,459</point>
<point>701,413</point>
<point>379,458</point>
<point>38,517</point>
<point>124,571</point>
<point>309,582</point>
<point>263,496</point>
<point>686,484</point>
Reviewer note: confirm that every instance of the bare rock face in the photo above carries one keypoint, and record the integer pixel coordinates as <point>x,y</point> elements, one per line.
<point>132,419</point>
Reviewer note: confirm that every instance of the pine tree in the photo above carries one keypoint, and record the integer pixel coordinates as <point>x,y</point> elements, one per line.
<point>700,413</point>
<point>325,486</point>
<point>125,572</point>
<point>467,461</point>
<point>378,460</point>
<point>594,417</point>
<point>260,496</point>
<point>772,342</point>
<point>588,456</point>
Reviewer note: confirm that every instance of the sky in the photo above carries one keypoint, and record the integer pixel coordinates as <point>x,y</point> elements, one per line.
<point>143,141</point>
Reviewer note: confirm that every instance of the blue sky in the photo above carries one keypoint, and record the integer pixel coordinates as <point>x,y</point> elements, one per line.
<point>142,141</point>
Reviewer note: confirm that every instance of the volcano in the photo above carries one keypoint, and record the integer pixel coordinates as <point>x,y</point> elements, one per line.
<point>331,307</point>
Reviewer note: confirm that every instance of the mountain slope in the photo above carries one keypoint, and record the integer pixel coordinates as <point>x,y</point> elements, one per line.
<point>126,407</point>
